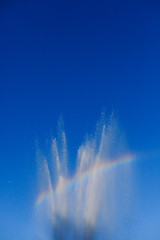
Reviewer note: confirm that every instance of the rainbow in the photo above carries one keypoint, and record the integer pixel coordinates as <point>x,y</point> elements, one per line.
<point>97,169</point>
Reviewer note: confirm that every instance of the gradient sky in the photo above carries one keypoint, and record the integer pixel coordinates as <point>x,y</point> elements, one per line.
<point>75,58</point>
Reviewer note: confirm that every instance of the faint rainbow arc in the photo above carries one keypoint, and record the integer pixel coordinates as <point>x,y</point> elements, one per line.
<point>95,170</point>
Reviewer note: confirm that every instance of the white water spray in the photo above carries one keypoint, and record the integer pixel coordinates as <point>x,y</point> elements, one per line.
<point>95,202</point>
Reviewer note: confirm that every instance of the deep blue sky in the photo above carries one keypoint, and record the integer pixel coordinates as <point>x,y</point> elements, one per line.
<point>73,58</point>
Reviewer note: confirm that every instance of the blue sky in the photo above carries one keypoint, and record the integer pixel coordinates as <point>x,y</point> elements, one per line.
<point>75,58</point>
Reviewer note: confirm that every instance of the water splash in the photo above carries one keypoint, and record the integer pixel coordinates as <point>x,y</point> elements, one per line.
<point>94,203</point>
